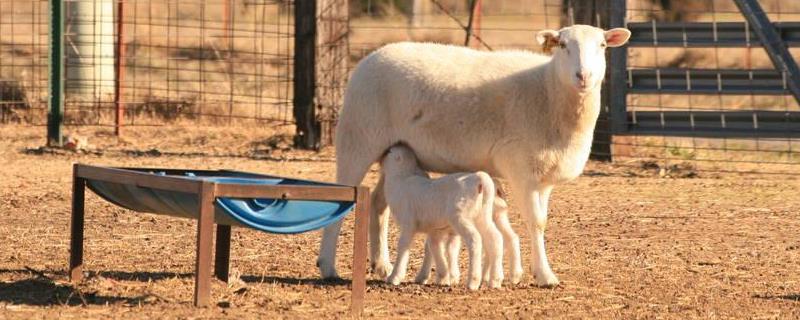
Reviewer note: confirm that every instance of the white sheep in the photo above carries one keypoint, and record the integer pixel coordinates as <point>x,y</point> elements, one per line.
<point>520,116</point>
<point>459,203</point>
<point>510,243</point>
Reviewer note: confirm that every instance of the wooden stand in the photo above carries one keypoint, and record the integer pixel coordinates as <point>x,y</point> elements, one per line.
<point>207,193</point>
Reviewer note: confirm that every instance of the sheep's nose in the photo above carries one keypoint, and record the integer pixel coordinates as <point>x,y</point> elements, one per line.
<point>582,76</point>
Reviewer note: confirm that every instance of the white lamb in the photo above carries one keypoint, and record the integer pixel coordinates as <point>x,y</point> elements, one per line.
<point>520,116</point>
<point>510,243</point>
<point>458,203</point>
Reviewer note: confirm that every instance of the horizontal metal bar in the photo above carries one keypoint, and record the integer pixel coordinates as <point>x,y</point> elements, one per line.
<point>288,192</point>
<point>773,43</point>
<point>705,34</point>
<point>764,124</point>
<point>707,81</point>
<point>136,178</point>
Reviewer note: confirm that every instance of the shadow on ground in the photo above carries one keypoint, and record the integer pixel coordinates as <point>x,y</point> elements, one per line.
<point>42,291</point>
<point>790,297</point>
<point>39,289</point>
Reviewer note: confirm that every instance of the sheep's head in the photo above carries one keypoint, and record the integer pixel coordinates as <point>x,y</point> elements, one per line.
<point>400,159</point>
<point>579,53</point>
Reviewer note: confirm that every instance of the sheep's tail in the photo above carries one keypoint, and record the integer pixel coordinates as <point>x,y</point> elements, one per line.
<point>488,189</point>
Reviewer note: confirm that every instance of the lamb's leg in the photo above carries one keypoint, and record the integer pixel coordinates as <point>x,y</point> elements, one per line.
<point>510,239</point>
<point>351,167</point>
<point>403,246</point>
<point>438,250</point>
<point>379,232</point>
<point>453,249</point>
<point>472,238</point>
<point>535,214</point>
<point>427,262</point>
<point>493,251</point>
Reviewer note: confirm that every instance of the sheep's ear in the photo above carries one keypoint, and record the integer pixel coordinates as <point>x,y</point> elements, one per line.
<point>617,37</point>
<point>548,39</point>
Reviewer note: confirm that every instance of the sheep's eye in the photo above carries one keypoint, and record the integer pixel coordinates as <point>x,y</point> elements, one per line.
<point>603,45</point>
<point>562,45</point>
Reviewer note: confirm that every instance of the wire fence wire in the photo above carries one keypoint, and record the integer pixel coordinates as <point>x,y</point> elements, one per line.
<point>210,61</point>
<point>500,24</point>
<point>701,83</point>
<point>224,61</point>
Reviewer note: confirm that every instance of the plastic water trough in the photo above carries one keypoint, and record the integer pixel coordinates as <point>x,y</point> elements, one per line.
<point>226,198</point>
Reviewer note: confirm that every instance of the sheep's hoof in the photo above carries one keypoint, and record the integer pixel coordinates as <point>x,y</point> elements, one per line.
<point>327,270</point>
<point>394,280</point>
<point>382,270</point>
<point>421,279</point>
<point>547,280</point>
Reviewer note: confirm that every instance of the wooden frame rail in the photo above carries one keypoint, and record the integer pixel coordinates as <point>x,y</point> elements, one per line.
<point>208,192</point>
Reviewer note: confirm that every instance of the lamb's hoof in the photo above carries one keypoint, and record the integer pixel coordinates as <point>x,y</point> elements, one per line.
<point>382,270</point>
<point>496,283</point>
<point>516,277</point>
<point>444,280</point>
<point>546,280</point>
<point>455,279</point>
<point>421,280</point>
<point>327,270</point>
<point>474,284</point>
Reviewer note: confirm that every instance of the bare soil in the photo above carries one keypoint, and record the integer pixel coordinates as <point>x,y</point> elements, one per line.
<point>627,242</point>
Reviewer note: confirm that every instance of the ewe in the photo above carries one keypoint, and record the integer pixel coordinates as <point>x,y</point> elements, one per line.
<point>510,242</point>
<point>459,202</point>
<point>523,117</point>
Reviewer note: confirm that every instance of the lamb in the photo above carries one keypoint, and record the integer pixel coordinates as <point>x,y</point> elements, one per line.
<point>460,203</point>
<point>510,242</point>
<point>519,116</point>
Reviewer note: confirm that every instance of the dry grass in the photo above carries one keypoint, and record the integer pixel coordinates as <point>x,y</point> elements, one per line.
<point>624,247</point>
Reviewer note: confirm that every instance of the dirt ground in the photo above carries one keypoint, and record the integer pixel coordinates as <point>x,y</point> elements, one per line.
<point>625,243</point>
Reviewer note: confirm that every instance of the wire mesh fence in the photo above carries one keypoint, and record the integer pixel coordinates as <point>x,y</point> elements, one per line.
<point>23,61</point>
<point>500,24</point>
<point>151,62</point>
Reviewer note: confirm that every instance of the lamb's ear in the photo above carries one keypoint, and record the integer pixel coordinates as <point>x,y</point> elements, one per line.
<point>617,37</point>
<point>548,39</point>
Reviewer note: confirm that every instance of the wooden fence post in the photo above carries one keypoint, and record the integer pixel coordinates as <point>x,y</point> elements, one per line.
<point>332,58</point>
<point>596,13</point>
<point>307,132</point>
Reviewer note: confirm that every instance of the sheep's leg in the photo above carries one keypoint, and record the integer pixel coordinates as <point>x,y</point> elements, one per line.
<point>536,219</point>
<point>351,167</point>
<point>453,249</point>
<point>510,239</point>
<point>401,264</point>
<point>379,232</point>
<point>438,251</point>
<point>427,261</point>
<point>472,238</point>
<point>493,251</point>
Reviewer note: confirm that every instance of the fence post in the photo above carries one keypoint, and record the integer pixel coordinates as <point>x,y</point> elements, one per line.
<point>120,68</point>
<point>307,133</point>
<point>56,107</point>
<point>617,80</point>
<point>596,13</point>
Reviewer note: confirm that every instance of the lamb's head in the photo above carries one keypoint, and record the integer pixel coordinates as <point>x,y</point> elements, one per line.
<point>399,160</point>
<point>579,53</point>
